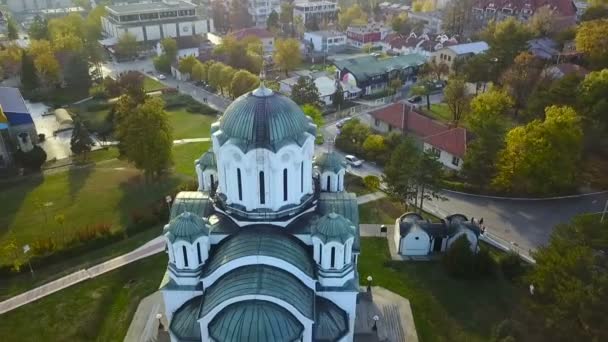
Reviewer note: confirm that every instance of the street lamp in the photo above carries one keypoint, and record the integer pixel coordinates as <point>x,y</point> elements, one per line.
<point>376,318</point>
<point>369,283</point>
<point>160,323</point>
<point>168,199</point>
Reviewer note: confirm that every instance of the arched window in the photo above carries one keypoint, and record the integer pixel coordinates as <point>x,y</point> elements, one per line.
<point>333,257</point>
<point>198,251</point>
<point>262,189</point>
<point>321,254</point>
<point>302,176</point>
<point>339,182</point>
<point>212,180</point>
<point>185,253</point>
<point>345,254</point>
<point>239,184</point>
<point>284,184</point>
<point>328,183</point>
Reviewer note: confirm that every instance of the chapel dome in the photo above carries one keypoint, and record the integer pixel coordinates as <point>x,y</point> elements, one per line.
<point>265,119</point>
<point>330,161</point>
<point>334,227</point>
<point>186,227</point>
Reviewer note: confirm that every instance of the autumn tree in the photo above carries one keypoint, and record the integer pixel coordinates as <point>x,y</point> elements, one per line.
<point>595,12</point>
<point>186,64</point>
<point>10,59</point>
<point>127,45</point>
<point>521,78</point>
<point>39,28</point>
<point>401,24</point>
<point>169,47</point>
<point>227,74</point>
<point>435,69</point>
<point>219,13</point>
<point>48,68</point>
<point>352,15</point>
<point>541,157</point>
<point>242,82</point>
<point>543,22</point>
<point>199,71</point>
<point>214,75</point>
<point>145,134</point>
<point>486,121</point>
<point>287,54</point>
<point>592,40</point>
<point>305,91</point>
<point>457,99</point>
<point>375,148</point>
<point>552,92</point>
<point>506,38</point>
<point>351,137</point>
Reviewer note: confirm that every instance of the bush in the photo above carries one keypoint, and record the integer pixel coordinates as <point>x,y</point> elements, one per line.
<point>484,263</point>
<point>98,92</point>
<point>506,331</point>
<point>32,160</point>
<point>162,63</point>
<point>461,262</point>
<point>372,182</point>
<point>96,106</point>
<point>511,266</point>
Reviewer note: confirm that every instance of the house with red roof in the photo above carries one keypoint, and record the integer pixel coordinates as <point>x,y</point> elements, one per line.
<point>564,10</point>
<point>447,142</point>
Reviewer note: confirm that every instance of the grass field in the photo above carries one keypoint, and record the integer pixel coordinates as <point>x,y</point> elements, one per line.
<point>385,211</point>
<point>444,308</point>
<point>151,84</point>
<point>355,184</point>
<point>190,125</point>
<point>99,309</point>
<point>184,156</point>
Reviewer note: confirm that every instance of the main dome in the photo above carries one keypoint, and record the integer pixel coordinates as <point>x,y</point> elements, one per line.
<point>265,119</point>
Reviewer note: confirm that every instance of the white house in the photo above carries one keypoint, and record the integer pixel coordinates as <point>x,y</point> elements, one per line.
<point>415,236</point>
<point>267,248</point>
<point>315,10</point>
<point>325,41</point>
<point>326,86</point>
<point>451,54</point>
<point>261,9</point>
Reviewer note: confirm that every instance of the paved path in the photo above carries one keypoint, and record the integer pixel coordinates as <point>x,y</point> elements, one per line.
<point>370,197</point>
<point>154,246</point>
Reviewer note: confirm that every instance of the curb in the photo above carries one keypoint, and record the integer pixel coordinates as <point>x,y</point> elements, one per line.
<point>525,198</point>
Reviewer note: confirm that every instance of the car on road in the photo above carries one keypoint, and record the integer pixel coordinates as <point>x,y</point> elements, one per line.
<point>162,77</point>
<point>415,99</point>
<point>353,161</point>
<point>342,122</point>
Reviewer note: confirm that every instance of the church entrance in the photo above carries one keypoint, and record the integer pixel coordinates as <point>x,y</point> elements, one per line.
<point>437,244</point>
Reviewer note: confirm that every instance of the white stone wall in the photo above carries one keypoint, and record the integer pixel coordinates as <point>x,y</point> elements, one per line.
<point>445,158</point>
<point>153,32</point>
<point>334,180</point>
<point>416,242</point>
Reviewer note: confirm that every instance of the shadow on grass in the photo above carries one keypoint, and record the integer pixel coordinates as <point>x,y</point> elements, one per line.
<point>12,196</point>
<point>77,178</point>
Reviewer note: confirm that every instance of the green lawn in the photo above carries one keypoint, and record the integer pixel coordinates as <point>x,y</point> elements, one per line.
<point>184,156</point>
<point>151,84</point>
<point>190,125</point>
<point>444,308</point>
<point>384,211</point>
<point>355,184</point>
<point>99,309</point>
<point>85,196</point>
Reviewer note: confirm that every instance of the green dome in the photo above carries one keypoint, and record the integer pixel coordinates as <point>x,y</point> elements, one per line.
<point>331,161</point>
<point>207,161</point>
<point>264,119</point>
<point>255,321</point>
<point>186,227</point>
<point>333,227</point>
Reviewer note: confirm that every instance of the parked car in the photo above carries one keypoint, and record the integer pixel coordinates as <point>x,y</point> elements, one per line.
<point>415,99</point>
<point>162,77</point>
<point>342,122</point>
<point>353,161</point>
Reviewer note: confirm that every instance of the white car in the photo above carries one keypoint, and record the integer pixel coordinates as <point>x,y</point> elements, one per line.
<point>354,161</point>
<point>162,77</point>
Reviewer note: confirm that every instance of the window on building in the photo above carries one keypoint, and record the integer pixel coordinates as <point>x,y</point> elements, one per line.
<point>435,151</point>
<point>185,253</point>
<point>284,184</point>
<point>262,189</point>
<point>333,258</point>
<point>302,176</point>
<point>239,184</point>
<point>320,253</point>
<point>455,161</point>
<point>328,183</point>
<point>376,122</point>
<point>198,252</point>
<point>390,128</point>
<point>449,58</point>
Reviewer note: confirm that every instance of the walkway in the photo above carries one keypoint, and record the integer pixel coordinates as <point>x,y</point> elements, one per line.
<point>154,246</point>
<point>370,197</point>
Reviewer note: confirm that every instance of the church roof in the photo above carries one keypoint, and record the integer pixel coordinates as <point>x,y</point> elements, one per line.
<point>330,161</point>
<point>260,280</point>
<point>187,227</point>
<point>343,203</point>
<point>331,322</point>
<point>256,242</point>
<point>264,119</point>
<point>333,227</point>
<point>255,321</point>
<point>184,324</point>
<point>195,202</point>
<point>207,161</point>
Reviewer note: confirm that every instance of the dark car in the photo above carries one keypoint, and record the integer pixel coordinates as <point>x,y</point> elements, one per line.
<point>415,99</point>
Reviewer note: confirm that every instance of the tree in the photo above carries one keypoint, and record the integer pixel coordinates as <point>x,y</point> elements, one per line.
<point>542,157</point>
<point>48,68</point>
<point>227,74</point>
<point>480,69</point>
<point>375,148</point>
<point>242,82</point>
<point>272,23</point>
<point>199,72</point>
<point>169,46</point>
<point>423,88</point>
<point>506,39</point>
<point>68,33</point>
<point>570,280</point>
<point>186,64</point>
<point>552,92</point>
<point>486,121</point>
<point>162,63</point>
<point>457,99</point>
<point>305,91</point>
<point>131,83</point>
<point>543,22</point>
<point>435,70</point>
<point>427,177</point>
<point>39,28</point>
<point>457,17</point>
<point>77,76</point>
<point>81,141</point>
<point>238,15</point>
<point>372,183</point>
<point>521,78</point>
<point>29,78</point>
<point>338,99</point>
<point>241,54</point>
<point>352,15</point>
<point>401,24</point>
<point>287,54</point>
<point>395,85</point>
<point>400,170</point>
<point>214,75</point>
<point>595,12</point>
<point>591,39</point>
<point>220,16</point>
<point>315,114</point>
<point>351,137</point>
<point>12,29</point>
<point>593,98</point>
<point>10,59</point>
<point>127,45</point>
<point>145,135</point>
<point>286,16</point>
<point>12,252</point>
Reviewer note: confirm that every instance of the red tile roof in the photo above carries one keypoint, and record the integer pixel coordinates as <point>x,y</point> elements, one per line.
<point>563,7</point>
<point>403,116</point>
<point>252,31</point>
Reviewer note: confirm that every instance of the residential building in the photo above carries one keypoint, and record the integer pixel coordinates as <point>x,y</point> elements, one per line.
<point>267,248</point>
<point>415,236</point>
<point>451,54</point>
<point>432,21</point>
<point>486,10</point>
<point>371,33</point>
<point>448,143</point>
<point>562,70</point>
<point>423,44</point>
<point>150,22</point>
<point>325,41</point>
<point>372,74</point>
<point>266,37</point>
<point>326,86</point>
<point>19,6</point>
<point>17,129</point>
<point>544,48</point>
<point>389,8</point>
<point>261,9</point>
<point>315,10</point>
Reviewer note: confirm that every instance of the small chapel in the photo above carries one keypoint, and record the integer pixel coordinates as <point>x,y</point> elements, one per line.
<point>266,250</point>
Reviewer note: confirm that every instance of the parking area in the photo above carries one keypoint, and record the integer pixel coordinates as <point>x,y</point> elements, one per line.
<point>56,144</point>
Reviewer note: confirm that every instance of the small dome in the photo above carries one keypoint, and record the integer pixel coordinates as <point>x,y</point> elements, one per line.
<point>265,119</point>
<point>207,161</point>
<point>334,227</point>
<point>186,227</point>
<point>331,161</point>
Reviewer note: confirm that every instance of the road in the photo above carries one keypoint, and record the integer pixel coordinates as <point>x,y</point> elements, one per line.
<point>526,224</point>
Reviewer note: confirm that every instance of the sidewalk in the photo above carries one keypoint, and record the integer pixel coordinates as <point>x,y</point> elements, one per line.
<point>152,247</point>
<point>370,197</point>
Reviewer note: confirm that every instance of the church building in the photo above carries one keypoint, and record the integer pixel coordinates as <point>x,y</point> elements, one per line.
<point>266,250</point>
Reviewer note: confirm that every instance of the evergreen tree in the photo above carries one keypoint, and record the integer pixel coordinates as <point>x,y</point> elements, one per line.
<point>39,29</point>
<point>81,141</point>
<point>272,23</point>
<point>29,78</point>
<point>338,99</point>
<point>305,91</point>
<point>13,30</point>
<point>77,76</point>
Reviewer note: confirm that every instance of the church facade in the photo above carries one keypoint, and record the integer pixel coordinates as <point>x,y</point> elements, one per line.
<point>267,248</point>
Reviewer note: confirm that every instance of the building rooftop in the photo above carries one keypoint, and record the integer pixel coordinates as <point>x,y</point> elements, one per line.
<point>148,6</point>
<point>259,32</point>
<point>14,107</point>
<point>327,34</point>
<point>300,3</point>
<point>366,67</point>
<point>474,48</point>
